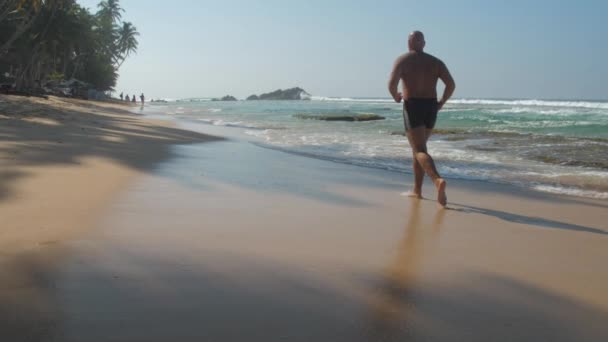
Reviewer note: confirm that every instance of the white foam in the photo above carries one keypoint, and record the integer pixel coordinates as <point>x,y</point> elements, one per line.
<point>202,99</point>
<point>220,122</point>
<point>532,103</point>
<point>541,103</point>
<point>532,110</point>
<point>571,191</point>
<point>350,99</point>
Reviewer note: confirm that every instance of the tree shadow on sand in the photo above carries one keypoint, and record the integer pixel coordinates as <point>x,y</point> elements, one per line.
<point>37,134</point>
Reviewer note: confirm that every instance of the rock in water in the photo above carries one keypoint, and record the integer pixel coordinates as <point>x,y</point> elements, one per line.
<point>225,98</point>
<point>296,93</point>
<point>355,117</point>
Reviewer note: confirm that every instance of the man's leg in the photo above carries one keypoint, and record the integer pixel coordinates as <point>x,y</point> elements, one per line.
<point>418,137</point>
<point>418,170</point>
<point>418,177</point>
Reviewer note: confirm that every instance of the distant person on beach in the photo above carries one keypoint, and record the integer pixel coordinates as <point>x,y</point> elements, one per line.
<point>142,98</point>
<point>133,98</point>
<point>127,98</point>
<point>121,96</point>
<point>420,72</point>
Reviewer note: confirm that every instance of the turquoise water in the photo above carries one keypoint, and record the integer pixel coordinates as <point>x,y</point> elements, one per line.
<point>554,146</point>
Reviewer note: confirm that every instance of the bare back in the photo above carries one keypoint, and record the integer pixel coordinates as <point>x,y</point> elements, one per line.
<point>420,72</point>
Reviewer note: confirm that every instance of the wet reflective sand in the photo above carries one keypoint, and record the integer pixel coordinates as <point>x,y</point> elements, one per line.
<point>248,244</point>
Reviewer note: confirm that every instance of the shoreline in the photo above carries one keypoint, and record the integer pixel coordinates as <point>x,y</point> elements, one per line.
<point>329,251</point>
<point>557,150</point>
<point>531,189</point>
<point>229,239</point>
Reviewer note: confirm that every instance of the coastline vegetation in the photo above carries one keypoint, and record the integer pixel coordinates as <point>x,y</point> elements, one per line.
<point>45,43</point>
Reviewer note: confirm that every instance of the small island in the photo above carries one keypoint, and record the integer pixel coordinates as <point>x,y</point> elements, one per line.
<point>225,98</point>
<point>354,117</point>
<point>296,93</point>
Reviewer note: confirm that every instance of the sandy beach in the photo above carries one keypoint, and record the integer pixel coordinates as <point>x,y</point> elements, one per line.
<point>61,162</point>
<point>117,227</point>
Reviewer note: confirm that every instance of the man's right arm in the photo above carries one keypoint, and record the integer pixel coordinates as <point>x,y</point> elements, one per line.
<point>393,82</point>
<point>450,85</point>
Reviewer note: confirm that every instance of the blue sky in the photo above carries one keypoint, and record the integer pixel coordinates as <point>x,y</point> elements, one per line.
<point>494,49</point>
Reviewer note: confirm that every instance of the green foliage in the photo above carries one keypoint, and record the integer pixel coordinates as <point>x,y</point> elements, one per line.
<point>42,40</point>
<point>99,72</point>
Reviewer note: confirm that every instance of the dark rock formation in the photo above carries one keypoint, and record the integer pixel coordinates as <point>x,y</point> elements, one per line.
<point>296,93</point>
<point>226,98</point>
<point>355,117</point>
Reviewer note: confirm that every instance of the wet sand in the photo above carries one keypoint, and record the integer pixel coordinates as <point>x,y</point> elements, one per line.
<point>231,241</point>
<point>228,241</point>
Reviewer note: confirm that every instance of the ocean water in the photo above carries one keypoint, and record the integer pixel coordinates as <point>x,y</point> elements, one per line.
<point>551,146</point>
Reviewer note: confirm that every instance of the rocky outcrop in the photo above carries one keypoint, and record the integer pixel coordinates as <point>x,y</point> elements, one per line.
<point>225,98</point>
<point>296,93</point>
<point>355,117</point>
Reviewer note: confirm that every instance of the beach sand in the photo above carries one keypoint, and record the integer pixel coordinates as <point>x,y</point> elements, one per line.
<point>61,162</point>
<point>228,241</point>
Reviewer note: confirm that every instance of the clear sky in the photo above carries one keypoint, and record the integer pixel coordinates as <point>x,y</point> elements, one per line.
<point>495,49</point>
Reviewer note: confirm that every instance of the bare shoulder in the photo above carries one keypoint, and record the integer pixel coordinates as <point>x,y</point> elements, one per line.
<point>434,60</point>
<point>402,59</point>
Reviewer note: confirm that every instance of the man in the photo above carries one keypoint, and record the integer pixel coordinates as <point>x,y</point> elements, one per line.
<point>420,72</point>
<point>142,98</point>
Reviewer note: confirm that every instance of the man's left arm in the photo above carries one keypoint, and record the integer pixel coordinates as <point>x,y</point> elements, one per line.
<point>393,82</point>
<point>450,85</point>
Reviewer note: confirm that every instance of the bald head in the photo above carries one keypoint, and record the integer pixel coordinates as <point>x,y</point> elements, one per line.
<point>415,41</point>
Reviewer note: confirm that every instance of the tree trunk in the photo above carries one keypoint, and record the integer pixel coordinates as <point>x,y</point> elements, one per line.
<point>25,78</point>
<point>66,57</point>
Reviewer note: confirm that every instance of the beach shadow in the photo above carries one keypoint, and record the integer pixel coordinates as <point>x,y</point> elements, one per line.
<point>28,307</point>
<point>474,306</point>
<point>527,220</point>
<point>245,297</point>
<point>47,134</point>
<point>482,187</point>
<point>484,307</point>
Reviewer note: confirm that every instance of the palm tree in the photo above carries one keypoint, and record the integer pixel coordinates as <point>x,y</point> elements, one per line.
<point>38,43</point>
<point>56,39</point>
<point>110,10</point>
<point>108,17</point>
<point>127,41</point>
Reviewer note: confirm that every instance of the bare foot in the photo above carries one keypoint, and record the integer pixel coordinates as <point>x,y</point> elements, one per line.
<point>440,183</point>
<point>412,194</point>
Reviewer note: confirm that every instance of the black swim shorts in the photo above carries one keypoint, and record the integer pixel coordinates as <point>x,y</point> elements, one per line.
<point>420,112</point>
